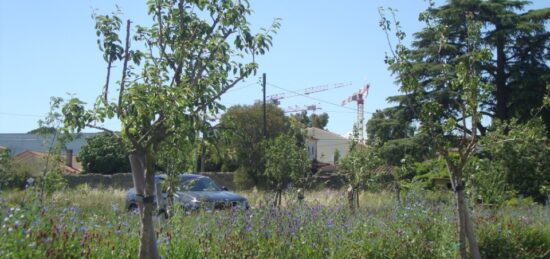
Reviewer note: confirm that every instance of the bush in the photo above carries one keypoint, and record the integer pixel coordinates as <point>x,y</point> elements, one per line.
<point>16,176</point>
<point>242,180</point>
<point>514,239</point>
<point>522,154</point>
<point>104,154</point>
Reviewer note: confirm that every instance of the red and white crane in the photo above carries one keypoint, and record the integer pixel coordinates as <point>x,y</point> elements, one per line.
<point>358,97</point>
<point>275,98</point>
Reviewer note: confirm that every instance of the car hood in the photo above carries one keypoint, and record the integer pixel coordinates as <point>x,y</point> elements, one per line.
<point>211,196</point>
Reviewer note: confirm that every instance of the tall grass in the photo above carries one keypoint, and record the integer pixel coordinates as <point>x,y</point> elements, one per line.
<point>89,222</point>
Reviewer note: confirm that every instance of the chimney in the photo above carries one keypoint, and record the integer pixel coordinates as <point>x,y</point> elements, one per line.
<point>69,157</point>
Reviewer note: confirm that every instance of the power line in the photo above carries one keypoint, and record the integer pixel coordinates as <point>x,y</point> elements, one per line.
<point>320,100</point>
<point>241,88</point>
<point>21,114</point>
<point>310,97</point>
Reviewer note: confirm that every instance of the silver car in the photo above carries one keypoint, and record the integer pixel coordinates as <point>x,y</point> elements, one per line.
<point>193,192</point>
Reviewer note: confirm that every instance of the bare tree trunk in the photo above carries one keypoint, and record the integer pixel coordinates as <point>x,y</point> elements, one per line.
<point>356,198</point>
<point>144,184</point>
<point>472,243</point>
<point>398,193</point>
<point>462,234</point>
<point>465,228</point>
<point>351,196</point>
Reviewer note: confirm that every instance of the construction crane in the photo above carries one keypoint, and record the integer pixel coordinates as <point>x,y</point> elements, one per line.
<point>297,108</point>
<point>358,97</point>
<point>306,91</point>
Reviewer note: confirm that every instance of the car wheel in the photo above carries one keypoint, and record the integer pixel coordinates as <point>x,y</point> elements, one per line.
<point>133,207</point>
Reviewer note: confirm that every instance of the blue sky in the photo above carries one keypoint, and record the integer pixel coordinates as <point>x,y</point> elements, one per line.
<point>48,48</point>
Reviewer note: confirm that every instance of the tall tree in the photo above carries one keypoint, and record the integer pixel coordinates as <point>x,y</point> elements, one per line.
<point>182,64</point>
<point>244,126</point>
<point>318,120</point>
<point>390,123</point>
<point>313,120</point>
<point>518,72</point>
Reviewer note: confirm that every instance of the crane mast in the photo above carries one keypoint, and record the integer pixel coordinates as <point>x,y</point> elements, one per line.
<point>358,97</point>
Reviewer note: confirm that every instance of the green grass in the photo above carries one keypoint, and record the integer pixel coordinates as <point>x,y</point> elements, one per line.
<point>89,222</point>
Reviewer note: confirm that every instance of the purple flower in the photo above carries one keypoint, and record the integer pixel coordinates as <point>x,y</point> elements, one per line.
<point>329,223</point>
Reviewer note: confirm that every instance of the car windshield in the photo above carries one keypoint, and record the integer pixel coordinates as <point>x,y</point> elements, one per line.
<point>201,184</point>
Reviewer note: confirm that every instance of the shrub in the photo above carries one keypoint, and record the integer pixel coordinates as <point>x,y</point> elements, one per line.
<point>104,153</point>
<point>514,239</point>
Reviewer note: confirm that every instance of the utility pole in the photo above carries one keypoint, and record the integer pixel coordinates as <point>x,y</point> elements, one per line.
<point>265,112</point>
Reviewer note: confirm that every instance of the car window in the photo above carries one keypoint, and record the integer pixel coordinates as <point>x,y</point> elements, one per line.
<point>198,185</point>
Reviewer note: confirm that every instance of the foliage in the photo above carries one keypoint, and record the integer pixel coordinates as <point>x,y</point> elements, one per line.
<point>286,161</point>
<point>450,103</point>
<point>487,182</point>
<point>5,164</point>
<point>388,124</point>
<point>428,170</point>
<point>242,179</point>
<point>517,72</point>
<point>53,181</point>
<point>43,131</point>
<point>521,154</point>
<point>191,54</point>
<point>105,154</point>
<point>313,120</point>
<point>15,176</point>
<point>514,237</point>
<point>89,223</point>
<point>358,166</point>
<point>417,148</point>
<point>244,133</point>
<point>319,121</point>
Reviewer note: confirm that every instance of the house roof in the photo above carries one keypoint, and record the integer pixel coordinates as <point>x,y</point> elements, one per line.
<point>315,132</point>
<point>29,157</point>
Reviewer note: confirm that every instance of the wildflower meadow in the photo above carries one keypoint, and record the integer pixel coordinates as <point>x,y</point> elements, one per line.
<point>93,223</point>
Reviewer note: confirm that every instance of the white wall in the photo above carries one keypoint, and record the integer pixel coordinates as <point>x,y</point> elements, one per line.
<point>327,144</point>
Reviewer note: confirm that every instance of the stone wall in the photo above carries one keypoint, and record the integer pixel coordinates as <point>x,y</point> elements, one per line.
<point>125,181</point>
<point>117,181</point>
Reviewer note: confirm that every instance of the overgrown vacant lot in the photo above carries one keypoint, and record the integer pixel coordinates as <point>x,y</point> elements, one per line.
<point>92,223</point>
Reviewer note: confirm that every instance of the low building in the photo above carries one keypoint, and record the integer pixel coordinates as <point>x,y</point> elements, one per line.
<point>325,146</point>
<point>36,162</point>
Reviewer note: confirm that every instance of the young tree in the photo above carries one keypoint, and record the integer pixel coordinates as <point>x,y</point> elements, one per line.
<point>193,53</point>
<point>452,121</point>
<point>358,167</point>
<point>286,161</point>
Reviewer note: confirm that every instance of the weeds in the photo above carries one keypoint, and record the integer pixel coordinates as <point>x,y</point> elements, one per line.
<point>89,222</point>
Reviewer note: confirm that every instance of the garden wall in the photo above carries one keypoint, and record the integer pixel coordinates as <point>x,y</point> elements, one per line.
<point>125,181</point>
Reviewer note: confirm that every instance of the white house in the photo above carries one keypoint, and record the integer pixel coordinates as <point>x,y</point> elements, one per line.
<point>324,145</point>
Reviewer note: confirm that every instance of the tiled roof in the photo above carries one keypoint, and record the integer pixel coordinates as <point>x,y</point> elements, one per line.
<point>29,157</point>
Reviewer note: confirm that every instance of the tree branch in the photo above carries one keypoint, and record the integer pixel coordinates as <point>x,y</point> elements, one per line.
<point>106,88</point>
<point>124,68</point>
